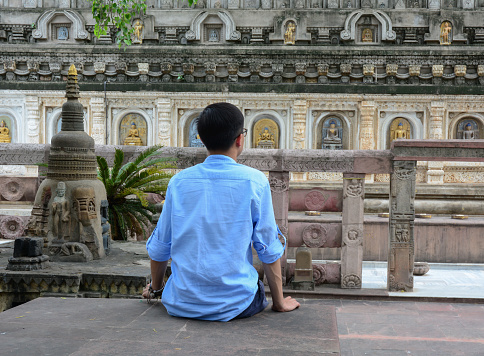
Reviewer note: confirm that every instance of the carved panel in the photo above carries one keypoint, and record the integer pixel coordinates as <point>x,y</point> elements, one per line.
<point>314,235</point>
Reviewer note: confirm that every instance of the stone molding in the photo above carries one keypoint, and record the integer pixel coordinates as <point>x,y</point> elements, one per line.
<point>41,31</point>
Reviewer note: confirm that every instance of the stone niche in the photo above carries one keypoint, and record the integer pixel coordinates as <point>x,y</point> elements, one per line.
<point>191,133</point>
<point>7,129</point>
<point>400,128</point>
<point>368,30</point>
<point>332,133</point>
<point>133,130</point>
<point>265,133</point>
<point>61,26</point>
<point>468,128</point>
<point>213,27</point>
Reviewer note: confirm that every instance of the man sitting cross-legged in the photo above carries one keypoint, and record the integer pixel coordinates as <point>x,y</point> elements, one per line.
<point>213,213</point>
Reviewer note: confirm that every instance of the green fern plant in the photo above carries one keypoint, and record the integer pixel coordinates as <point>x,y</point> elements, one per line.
<point>127,186</point>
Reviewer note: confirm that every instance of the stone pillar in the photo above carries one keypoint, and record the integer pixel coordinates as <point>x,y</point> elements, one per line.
<point>435,172</point>
<point>299,132</point>
<point>367,137</point>
<point>98,121</point>
<point>33,119</point>
<point>163,106</point>
<point>352,230</point>
<point>279,182</point>
<point>402,216</point>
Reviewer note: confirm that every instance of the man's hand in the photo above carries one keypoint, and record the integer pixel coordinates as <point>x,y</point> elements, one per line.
<point>287,304</point>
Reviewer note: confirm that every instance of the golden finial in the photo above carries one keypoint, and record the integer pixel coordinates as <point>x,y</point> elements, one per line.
<point>72,70</point>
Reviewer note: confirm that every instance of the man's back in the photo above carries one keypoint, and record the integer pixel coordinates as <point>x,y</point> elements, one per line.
<point>212,214</point>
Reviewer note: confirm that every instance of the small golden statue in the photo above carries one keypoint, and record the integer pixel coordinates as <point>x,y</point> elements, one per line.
<point>446,33</point>
<point>290,35</point>
<point>367,35</point>
<point>138,32</point>
<point>400,131</point>
<point>266,140</point>
<point>133,138</point>
<point>4,133</point>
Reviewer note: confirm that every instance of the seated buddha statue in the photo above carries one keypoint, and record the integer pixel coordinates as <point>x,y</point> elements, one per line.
<point>4,133</point>
<point>266,140</point>
<point>468,133</point>
<point>332,134</point>
<point>400,132</point>
<point>133,138</point>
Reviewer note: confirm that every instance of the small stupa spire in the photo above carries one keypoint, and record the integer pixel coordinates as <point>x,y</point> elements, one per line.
<point>72,89</point>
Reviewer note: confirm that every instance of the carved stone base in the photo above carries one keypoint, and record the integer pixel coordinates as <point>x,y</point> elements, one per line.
<point>28,263</point>
<point>302,285</point>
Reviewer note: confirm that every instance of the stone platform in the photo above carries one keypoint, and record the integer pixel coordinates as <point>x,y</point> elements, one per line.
<point>67,326</point>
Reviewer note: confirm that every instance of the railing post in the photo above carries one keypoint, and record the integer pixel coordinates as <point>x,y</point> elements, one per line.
<point>279,182</point>
<point>402,216</point>
<point>352,230</point>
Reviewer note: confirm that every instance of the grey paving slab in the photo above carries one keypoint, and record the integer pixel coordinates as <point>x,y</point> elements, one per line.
<point>76,326</point>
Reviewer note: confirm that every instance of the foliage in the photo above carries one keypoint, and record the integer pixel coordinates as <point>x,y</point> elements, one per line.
<point>120,14</point>
<point>127,187</point>
<point>117,13</point>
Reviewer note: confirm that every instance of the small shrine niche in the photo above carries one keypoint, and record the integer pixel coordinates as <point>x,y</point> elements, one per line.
<point>468,129</point>
<point>290,33</point>
<point>368,30</point>
<point>133,130</point>
<point>265,134</point>
<point>61,29</point>
<point>332,134</point>
<point>446,32</point>
<point>6,129</point>
<point>193,136</point>
<point>213,30</point>
<point>400,128</point>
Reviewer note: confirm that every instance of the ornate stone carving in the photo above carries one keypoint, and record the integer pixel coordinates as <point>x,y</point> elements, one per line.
<point>351,281</point>
<point>41,31</point>
<point>349,31</point>
<point>368,69</point>
<point>314,235</point>
<point>278,185</point>
<point>403,173</point>
<point>345,68</point>
<point>437,70</point>
<point>315,200</point>
<point>352,236</point>
<point>11,227</point>
<point>60,212</point>
<point>354,188</point>
<point>392,69</point>
<point>12,189</point>
<point>460,70</point>
<point>319,274</point>
<point>446,33</point>
<point>414,70</point>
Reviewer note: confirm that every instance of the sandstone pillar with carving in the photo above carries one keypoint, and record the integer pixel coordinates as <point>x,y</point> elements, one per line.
<point>435,170</point>
<point>98,121</point>
<point>352,230</point>
<point>367,136</point>
<point>279,182</point>
<point>299,132</point>
<point>33,119</point>
<point>163,106</point>
<point>402,217</point>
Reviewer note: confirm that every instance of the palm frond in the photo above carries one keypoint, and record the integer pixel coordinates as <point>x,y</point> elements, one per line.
<point>118,162</point>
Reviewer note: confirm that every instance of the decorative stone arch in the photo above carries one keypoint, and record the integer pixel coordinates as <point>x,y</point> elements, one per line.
<point>269,114</point>
<point>230,32</point>
<point>117,121</point>
<point>384,127</point>
<point>52,122</point>
<point>79,25</point>
<point>349,32</point>
<point>184,126</point>
<point>452,133</point>
<point>316,128</point>
<point>13,125</point>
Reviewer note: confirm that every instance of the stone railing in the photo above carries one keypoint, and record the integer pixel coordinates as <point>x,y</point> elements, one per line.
<point>400,162</point>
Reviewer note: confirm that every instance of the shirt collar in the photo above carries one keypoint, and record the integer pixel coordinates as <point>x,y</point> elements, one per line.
<point>219,159</point>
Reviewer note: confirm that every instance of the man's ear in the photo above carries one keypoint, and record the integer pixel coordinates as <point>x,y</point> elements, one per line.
<point>238,140</point>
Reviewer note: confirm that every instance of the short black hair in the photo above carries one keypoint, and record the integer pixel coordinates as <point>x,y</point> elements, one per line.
<point>219,125</point>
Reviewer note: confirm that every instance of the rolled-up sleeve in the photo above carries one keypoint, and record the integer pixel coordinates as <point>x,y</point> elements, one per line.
<point>265,234</point>
<point>159,243</point>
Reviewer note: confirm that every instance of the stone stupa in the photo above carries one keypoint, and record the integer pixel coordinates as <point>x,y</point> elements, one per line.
<point>67,206</point>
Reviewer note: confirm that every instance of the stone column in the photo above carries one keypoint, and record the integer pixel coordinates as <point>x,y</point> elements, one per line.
<point>402,216</point>
<point>163,106</point>
<point>367,137</point>
<point>33,119</point>
<point>299,132</point>
<point>279,182</point>
<point>435,171</point>
<point>98,121</point>
<point>352,230</point>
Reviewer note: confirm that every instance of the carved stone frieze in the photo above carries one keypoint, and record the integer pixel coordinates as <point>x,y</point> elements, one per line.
<point>351,281</point>
<point>319,274</point>
<point>278,185</point>
<point>354,188</point>
<point>314,200</point>
<point>315,235</point>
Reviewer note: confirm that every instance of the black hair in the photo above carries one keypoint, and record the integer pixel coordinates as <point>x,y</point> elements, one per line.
<point>219,125</point>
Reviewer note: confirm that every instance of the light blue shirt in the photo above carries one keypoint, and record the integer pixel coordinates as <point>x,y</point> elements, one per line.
<point>213,213</point>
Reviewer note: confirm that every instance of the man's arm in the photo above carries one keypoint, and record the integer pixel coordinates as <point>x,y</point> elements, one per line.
<point>274,277</point>
<point>158,270</point>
